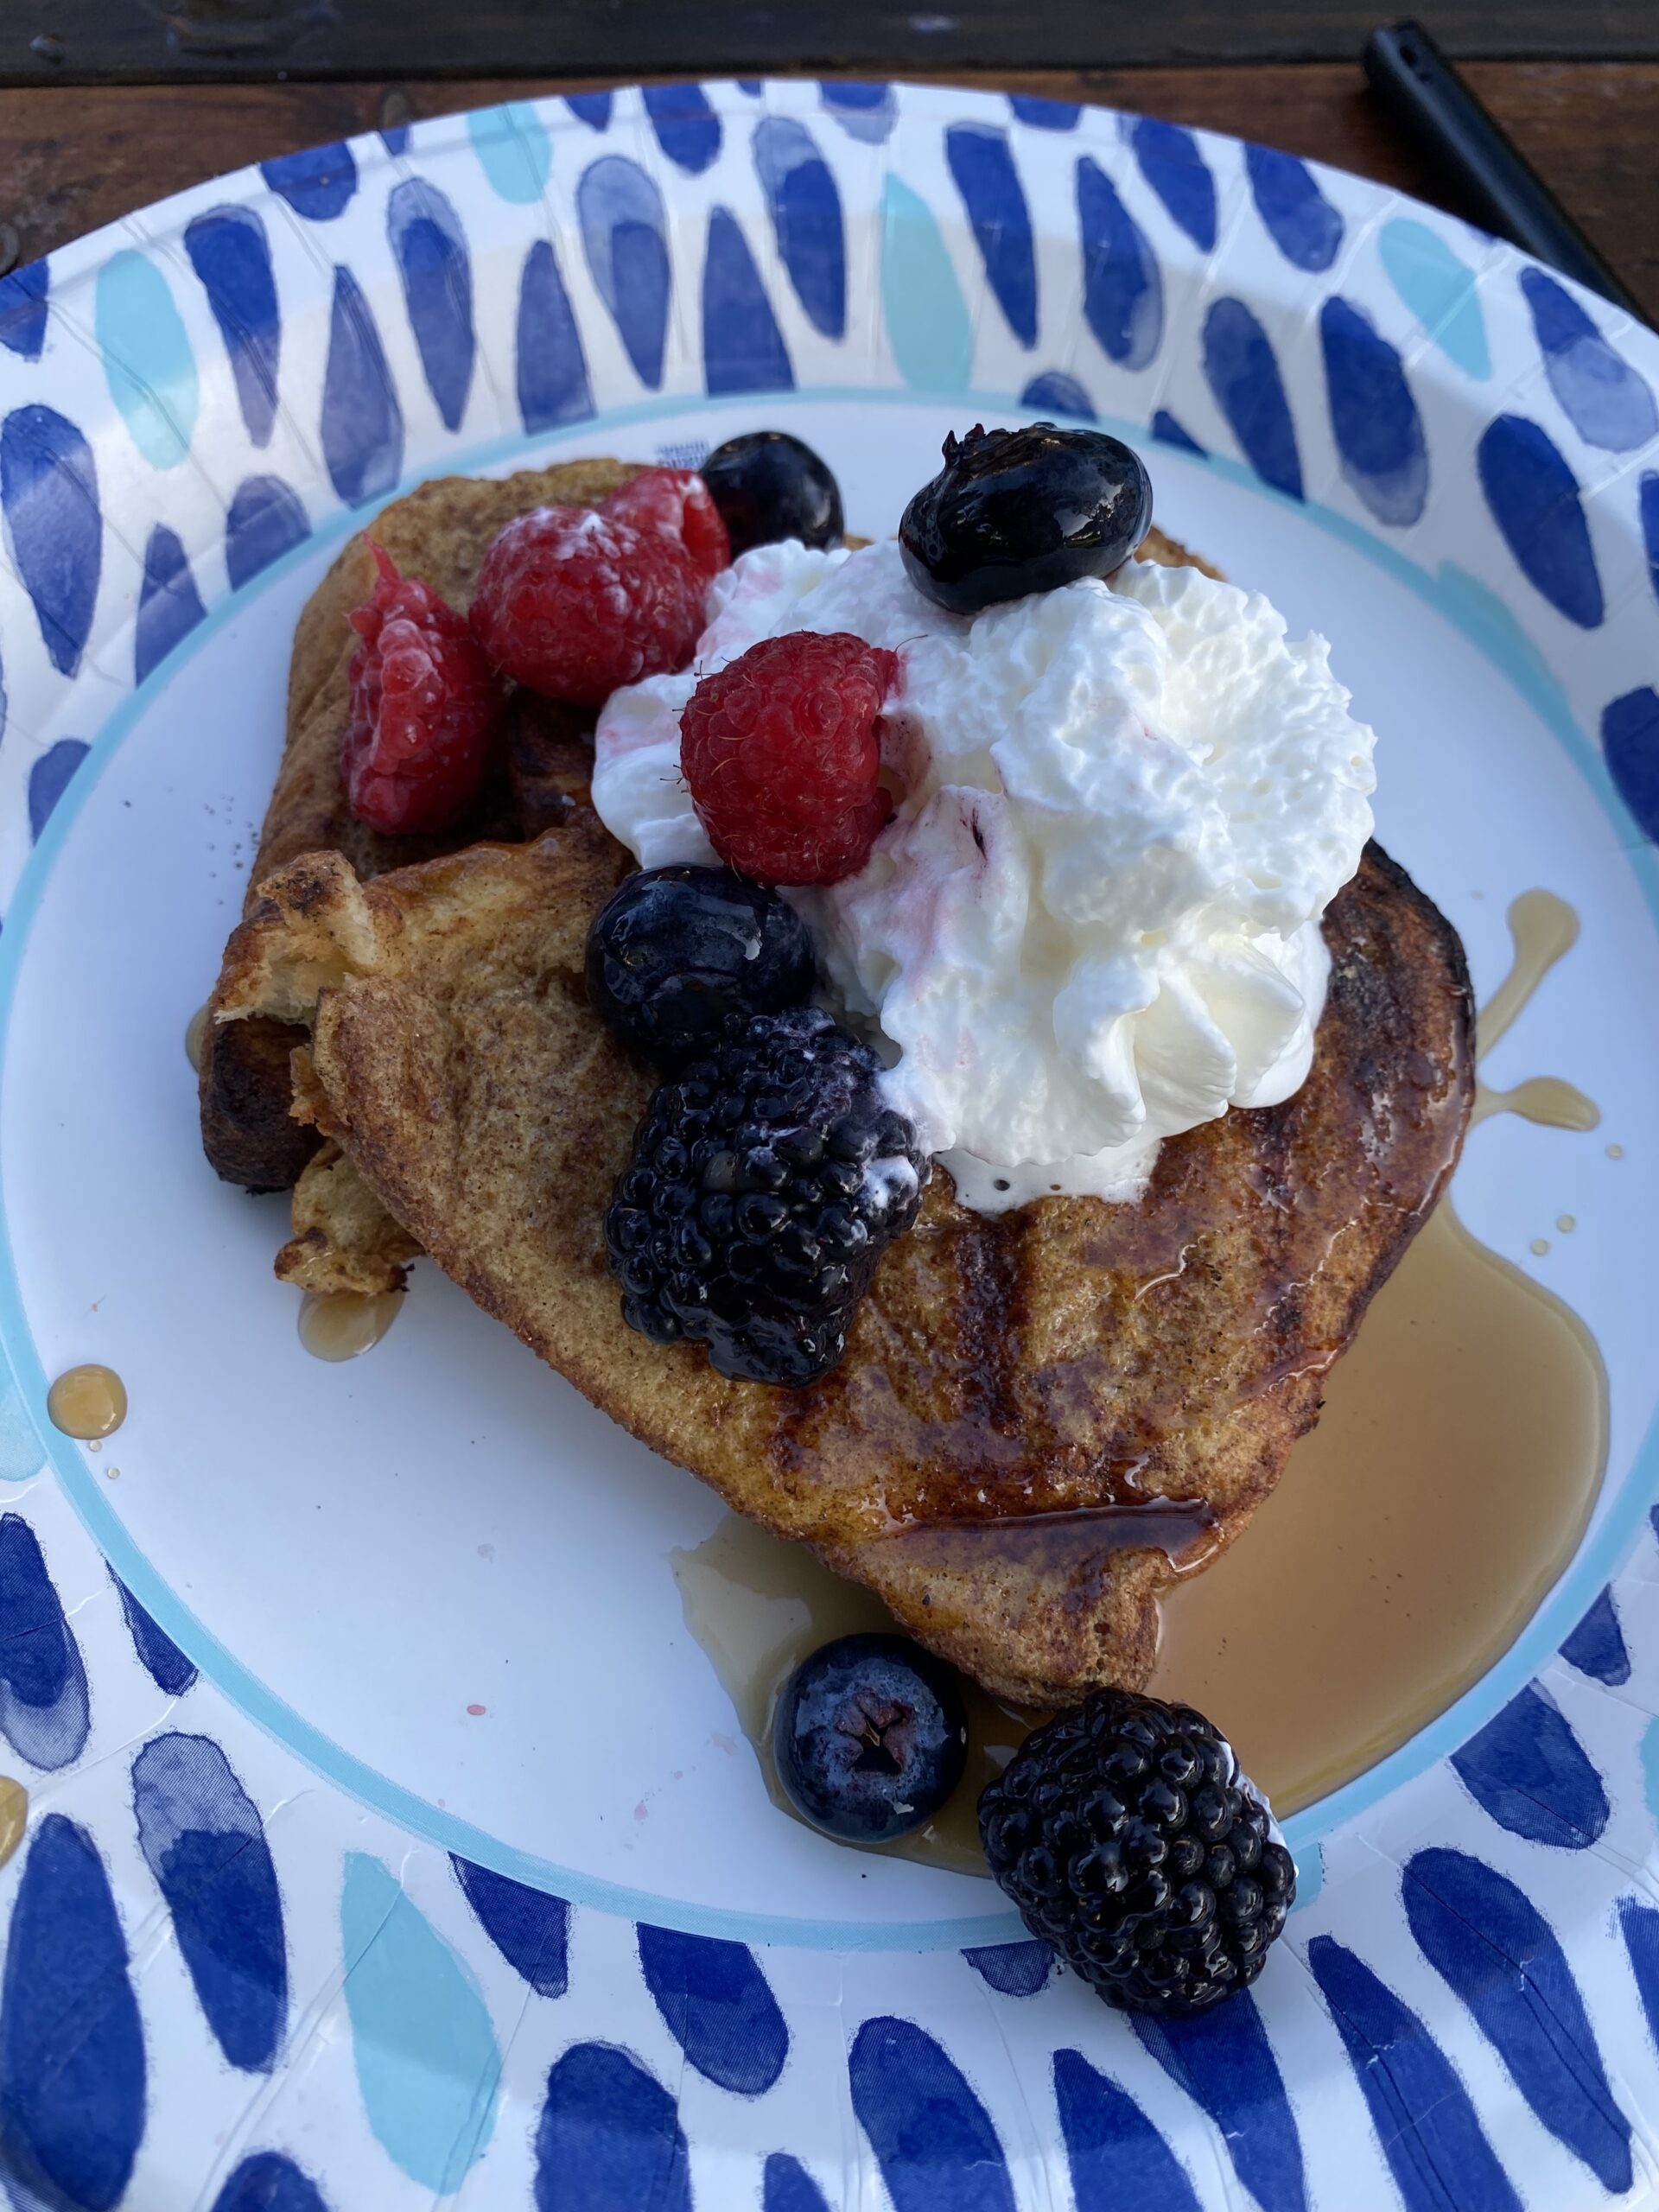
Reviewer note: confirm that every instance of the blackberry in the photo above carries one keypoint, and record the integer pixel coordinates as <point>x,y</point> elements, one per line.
<point>1129,1839</point>
<point>767,1180</point>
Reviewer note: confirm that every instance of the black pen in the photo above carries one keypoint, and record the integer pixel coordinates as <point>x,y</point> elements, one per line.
<point>1482,169</point>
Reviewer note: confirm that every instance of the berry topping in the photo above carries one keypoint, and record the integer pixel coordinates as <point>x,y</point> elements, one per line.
<point>782,755</point>
<point>768,487</point>
<point>676,950</point>
<point>1014,511</point>
<point>675,502</point>
<point>869,1737</point>
<point>766,1180</point>
<point>573,603</point>
<point>1128,1839</point>
<point>424,703</point>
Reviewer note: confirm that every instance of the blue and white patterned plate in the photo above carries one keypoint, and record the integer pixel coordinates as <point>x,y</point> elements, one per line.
<point>388,1840</point>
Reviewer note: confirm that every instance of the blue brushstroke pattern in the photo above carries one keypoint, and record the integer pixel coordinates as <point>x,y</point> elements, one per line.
<point>429,248</point>
<point>317,183</point>
<point>1528,1770</point>
<point>269,2182</point>
<point>865,112</point>
<point>1242,373</point>
<point>49,778</point>
<point>231,255</point>
<point>1373,418</point>
<point>932,2138</point>
<point>204,1842</point>
<point>786,2186</point>
<point>1055,390</point>
<point>148,363</point>
<point>804,206</point>
<point>929,328</point>
<point>624,237</point>
<point>1648,506</point>
<point>1495,1949</point>
<point>1299,219</point>
<point>1440,2158</point>
<point>1178,173</point>
<point>1597,1647</point>
<point>44,1713</point>
<point>1169,432</point>
<point>49,492</point>
<point>1123,289</point>
<point>1534,498</point>
<point>985,175</point>
<point>743,349</point>
<point>161,1659</point>
<point>72,2048</point>
<point>1119,2161</point>
<point>1440,289</point>
<point>23,309</point>
<point>717,2005</point>
<point>1638,1923</point>
<point>265,521</point>
<point>394,136</point>
<point>530,1927</point>
<point>608,2137</point>
<point>1045,115</point>
<point>687,128</point>
<point>552,369</point>
<point>1013,1969</point>
<point>1224,2063</point>
<point>170,606</point>
<point>1630,739</point>
<point>1601,395</point>
<point>362,421</point>
<point>750,86</point>
<point>513,150</point>
<point>592,108</point>
<point>429,2068</point>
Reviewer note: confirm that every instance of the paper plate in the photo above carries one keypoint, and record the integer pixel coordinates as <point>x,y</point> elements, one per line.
<point>389,1840</point>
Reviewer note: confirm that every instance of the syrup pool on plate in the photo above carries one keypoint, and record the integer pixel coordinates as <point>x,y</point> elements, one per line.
<point>1410,1538</point>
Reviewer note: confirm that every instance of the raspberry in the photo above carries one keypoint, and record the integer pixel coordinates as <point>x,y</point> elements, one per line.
<point>424,703</point>
<point>574,603</point>
<point>781,753</point>
<point>677,502</point>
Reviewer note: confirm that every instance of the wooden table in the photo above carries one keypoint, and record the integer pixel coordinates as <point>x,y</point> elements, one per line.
<point>104,108</point>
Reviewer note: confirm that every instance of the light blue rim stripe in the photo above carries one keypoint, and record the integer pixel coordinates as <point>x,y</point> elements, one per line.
<point>1532,1650</point>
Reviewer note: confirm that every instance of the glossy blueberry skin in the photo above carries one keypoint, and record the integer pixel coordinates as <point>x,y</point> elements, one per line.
<point>869,1737</point>
<point>769,486</point>
<point>1016,511</point>
<point>675,950</point>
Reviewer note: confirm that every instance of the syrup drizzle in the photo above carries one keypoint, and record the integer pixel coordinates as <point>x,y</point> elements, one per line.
<point>14,1815</point>
<point>87,1402</point>
<point>1411,1537</point>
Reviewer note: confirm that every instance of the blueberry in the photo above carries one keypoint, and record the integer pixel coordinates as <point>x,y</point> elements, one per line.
<point>1015,511</point>
<point>676,950</point>
<point>768,487</point>
<point>869,1737</point>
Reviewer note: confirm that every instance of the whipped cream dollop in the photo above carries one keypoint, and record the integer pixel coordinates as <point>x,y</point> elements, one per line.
<point>1120,809</point>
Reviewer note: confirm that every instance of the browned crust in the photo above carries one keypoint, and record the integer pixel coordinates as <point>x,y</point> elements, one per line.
<point>1063,1359</point>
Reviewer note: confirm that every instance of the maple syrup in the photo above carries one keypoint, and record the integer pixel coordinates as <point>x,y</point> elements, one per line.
<point>196,1030</point>
<point>1414,1530</point>
<point>347,1323</point>
<point>14,1815</point>
<point>1409,1540</point>
<point>87,1402</point>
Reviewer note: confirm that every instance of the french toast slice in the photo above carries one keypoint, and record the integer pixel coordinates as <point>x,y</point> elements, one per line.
<point>439,532</point>
<point>1041,1415</point>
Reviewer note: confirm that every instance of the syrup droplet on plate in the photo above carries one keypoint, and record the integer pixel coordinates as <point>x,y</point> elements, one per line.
<point>1567,1222</point>
<point>87,1401</point>
<point>347,1323</point>
<point>196,1030</point>
<point>14,1815</point>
